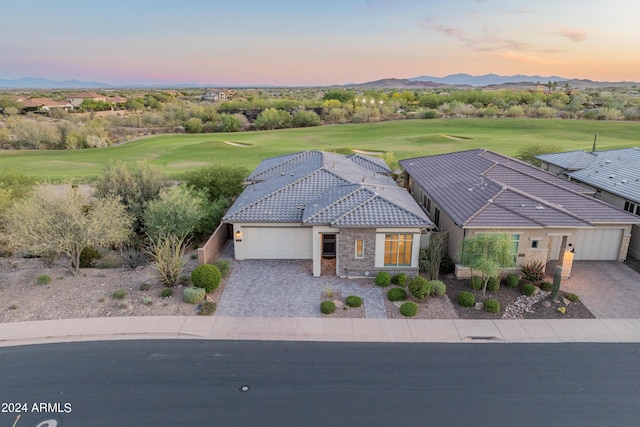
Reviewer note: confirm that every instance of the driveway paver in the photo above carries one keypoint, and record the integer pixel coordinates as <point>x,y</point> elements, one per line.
<point>609,289</point>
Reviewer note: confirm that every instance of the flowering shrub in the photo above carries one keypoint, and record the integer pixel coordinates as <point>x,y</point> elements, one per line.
<point>534,271</point>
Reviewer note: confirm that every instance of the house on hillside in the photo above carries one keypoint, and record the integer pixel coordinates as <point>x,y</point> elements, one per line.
<point>315,205</point>
<point>612,176</point>
<point>42,105</point>
<point>549,219</point>
<point>78,98</point>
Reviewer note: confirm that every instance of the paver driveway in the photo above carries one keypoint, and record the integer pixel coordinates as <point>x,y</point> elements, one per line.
<point>610,289</point>
<point>286,288</point>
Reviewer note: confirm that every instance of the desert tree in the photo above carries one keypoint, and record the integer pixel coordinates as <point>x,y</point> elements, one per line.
<point>177,211</point>
<point>529,152</point>
<point>487,253</point>
<point>46,223</point>
<point>218,181</point>
<point>431,256</point>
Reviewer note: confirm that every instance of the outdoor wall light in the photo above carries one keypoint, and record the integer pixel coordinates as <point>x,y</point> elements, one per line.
<point>238,236</point>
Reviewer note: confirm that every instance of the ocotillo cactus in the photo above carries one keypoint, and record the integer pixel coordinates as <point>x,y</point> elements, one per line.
<point>557,276</point>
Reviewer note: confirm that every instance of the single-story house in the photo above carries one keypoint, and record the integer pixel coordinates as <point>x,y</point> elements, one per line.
<point>78,98</point>
<point>317,205</point>
<point>548,218</point>
<point>612,176</point>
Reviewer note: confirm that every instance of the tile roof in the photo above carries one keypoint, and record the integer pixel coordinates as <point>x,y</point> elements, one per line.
<point>615,171</point>
<point>319,188</point>
<point>480,188</point>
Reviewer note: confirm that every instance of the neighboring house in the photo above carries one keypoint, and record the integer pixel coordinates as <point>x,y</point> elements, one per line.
<point>218,95</point>
<point>479,191</point>
<point>78,98</point>
<point>612,176</point>
<point>43,105</point>
<point>315,205</point>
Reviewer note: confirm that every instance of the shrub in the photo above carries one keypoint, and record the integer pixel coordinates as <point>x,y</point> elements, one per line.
<point>447,266</point>
<point>166,293</point>
<point>512,280</point>
<point>383,279</point>
<point>534,271</point>
<point>492,306</point>
<point>44,279</point>
<point>207,309</point>
<point>327,307</point>
<point>206,276</point>
<point>399,279</point>
<point>527,289</point>
<point>438,288</point>
<point>124,304</point>
<point>193,295</point>
<point>475,282</point>
<point>409,309</point>
<point>88,257</point>
<point>145,286</point>
<point>546,286</point>
<point>397,294</point>
<point>572,297</point>
<point>493,284</point>
<point>193,256</point>
<point>223,266</point>
<point>119,293</point>
<point>466,299</point>
<point>420,287</point>
<point>147,300</point>
<point>353,301</point>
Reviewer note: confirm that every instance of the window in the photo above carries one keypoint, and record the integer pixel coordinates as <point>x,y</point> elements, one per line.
<point>632,207</point>
<point>359,248</point>
<point>397,249</point>
<point>515,243</point>
<point>436,217</point>
<point>426,202</point>
<point>534,244</point>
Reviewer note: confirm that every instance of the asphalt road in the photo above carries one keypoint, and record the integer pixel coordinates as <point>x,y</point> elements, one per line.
<point>200,383</point>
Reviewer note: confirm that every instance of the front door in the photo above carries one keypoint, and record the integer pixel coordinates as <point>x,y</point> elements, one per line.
<point>328,245</point>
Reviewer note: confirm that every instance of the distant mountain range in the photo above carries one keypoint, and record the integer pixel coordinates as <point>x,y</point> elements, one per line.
<point>452,80</point>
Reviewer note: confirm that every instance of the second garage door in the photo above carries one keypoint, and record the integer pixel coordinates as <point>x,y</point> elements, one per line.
<point>278,243</point>
<point>598,244</point>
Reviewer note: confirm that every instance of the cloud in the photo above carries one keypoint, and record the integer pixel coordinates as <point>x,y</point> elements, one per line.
<point>573,34</point>
<point>529,59</point>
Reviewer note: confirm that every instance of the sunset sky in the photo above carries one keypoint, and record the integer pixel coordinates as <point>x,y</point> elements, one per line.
<point>298,42</point>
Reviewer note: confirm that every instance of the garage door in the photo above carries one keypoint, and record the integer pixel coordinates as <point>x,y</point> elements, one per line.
<point>277,243</point>
<point>598,244</point>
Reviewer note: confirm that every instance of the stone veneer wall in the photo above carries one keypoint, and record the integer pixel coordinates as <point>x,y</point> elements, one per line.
<point>350,266</point>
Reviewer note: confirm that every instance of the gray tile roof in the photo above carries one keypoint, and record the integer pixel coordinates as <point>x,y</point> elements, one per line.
<point>615,171</point>
<point>479,188</point>
<point>319,188</point>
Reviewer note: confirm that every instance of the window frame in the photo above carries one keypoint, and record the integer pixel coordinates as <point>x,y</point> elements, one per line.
<point>398,246</point>
<point>359,249</point>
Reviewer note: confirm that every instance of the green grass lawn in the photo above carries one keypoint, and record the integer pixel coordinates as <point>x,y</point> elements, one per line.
<point>406,138</point>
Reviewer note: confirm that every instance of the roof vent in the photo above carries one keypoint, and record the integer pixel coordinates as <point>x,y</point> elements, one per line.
<point>522,205</point>
<point>607,161</point>
<point>539,206</point>
<point>624,181</point>
<point>612,176</point>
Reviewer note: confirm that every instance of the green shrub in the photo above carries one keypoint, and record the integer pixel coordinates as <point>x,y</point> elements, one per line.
<point>166,293</point>
<point>534,271</point>
<point>466,299</point>
<point>206,276</point>
<point>438,288</point>
<point>475,282</point>
<point>420,287</point>
<point>546,286</point>
<point>409,309</point>
<point>353,301</point>
<point>327,307</point>
<point>124,304</point>
<point>145,286</point>
<point>397,294</point>
<point>383,279</point>
<point>88,257</point>
<point>512,280</point>
<point>399,279</point>
<point>572,297</point>
<point>147,300</point>
<point>44,279</point>
<point>193,295</point>
<point>493,284</point>
<point>193,256</point>
<point>119,293</point>
<point>527,289</point>
<point>207,309</point>
<point>492,306</point>
<point>223,266</point>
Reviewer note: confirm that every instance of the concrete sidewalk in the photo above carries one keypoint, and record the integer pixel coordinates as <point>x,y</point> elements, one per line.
<point>314,329</point>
